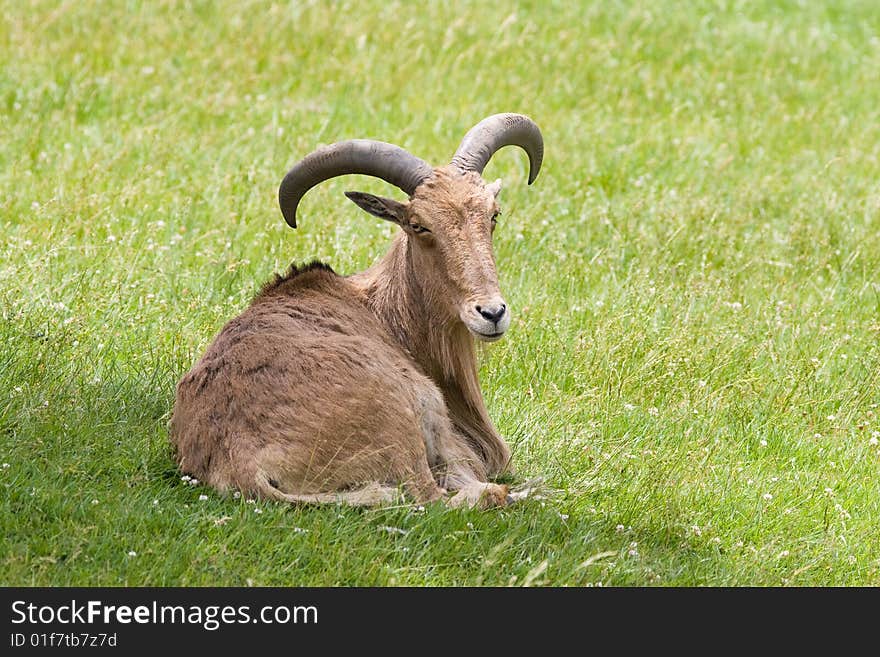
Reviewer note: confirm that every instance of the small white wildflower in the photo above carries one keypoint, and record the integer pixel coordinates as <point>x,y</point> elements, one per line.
<point>829,492</point>
<point>629,407</point>
<point>300,530</point>
<point>111,238</point>
<point>203,498</point>
<point>701,383</point>
<point>193,482</point>
<point>160,224</point>
<point>250,500</point>
<point>564,516</point>
<point>788,511</point>
<point>257,509</point>
<point>5,466</point>
<point>767,496</point>
<point>696,530</point>
<point>222,521</point>
<point>831,418</point>
<point>619,529</point>
<point>750,482</point>
<point>155,502</point>
<point>18,388</point>
<point>35,205</point>
<point>394,530</point>
<point>95,502</point>
<point>774,479</point>
<point>236,495</point>
<point>147,70</point>
<point>873,441</point>
<point>817,436</point>
<point>653,411</point>
<point>783,554</point>
<point>185,478</point>
<point>132,553</point>
<point>716,540</point>
<point>470,525</point>
<point>763,443</point>
<point>419,508</point>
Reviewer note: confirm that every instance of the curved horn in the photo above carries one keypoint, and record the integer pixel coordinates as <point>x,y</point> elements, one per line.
<point>495,132</point>
<point>374,158</point>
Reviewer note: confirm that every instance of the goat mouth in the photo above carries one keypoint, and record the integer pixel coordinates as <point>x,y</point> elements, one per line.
<point>488,337</point>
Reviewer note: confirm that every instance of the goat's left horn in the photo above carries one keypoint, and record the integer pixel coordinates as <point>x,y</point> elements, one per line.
<point>495,132</point>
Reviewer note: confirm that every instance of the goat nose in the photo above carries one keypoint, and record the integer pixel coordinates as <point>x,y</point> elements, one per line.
<point>492,313</point>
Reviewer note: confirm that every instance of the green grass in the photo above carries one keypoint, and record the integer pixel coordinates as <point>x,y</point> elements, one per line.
<point>695,280</point>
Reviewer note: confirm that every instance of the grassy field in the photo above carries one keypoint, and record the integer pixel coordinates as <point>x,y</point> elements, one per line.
<point>695,281</point>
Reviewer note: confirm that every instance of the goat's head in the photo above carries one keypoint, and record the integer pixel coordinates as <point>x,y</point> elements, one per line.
<point>449,218</point>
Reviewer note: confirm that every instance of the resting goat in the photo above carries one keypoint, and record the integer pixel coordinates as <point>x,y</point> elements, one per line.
<point>331,388</point>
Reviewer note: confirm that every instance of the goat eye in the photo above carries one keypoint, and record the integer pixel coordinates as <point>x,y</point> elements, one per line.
<point>495,218</point>
<point>418,228</point>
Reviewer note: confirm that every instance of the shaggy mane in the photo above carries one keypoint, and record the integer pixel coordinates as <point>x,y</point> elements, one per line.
<point>295,271</point>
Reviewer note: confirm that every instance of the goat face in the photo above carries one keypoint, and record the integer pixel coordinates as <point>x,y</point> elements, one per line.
<point>449,224</point>
<point>448,220</point>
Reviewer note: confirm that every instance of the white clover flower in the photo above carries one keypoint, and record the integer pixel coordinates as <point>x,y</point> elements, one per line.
<point>763,443</point>
<point>767,496</point>
<point>236,495</point>
<point>132,553</point>
<point>619,529</point>
<point>784,554</point>
<point>95,502</point>
<point>257,509</point>
<point>203,498</point>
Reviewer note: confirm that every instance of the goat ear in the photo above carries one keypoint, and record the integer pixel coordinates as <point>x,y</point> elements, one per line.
<point>384,208</point>
<point>495,187</point>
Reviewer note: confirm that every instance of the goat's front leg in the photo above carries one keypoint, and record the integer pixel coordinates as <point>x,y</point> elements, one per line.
<point>462,471</point>
<point>454,464</point>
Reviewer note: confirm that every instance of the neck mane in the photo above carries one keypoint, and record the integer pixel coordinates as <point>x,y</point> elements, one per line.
<point>441,345</point>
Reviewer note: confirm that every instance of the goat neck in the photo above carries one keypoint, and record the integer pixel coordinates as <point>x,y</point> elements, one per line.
<point>437,340</point>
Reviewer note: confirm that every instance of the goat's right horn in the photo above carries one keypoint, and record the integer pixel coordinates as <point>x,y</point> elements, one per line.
<point>373,158</point>
<point>495,132</point>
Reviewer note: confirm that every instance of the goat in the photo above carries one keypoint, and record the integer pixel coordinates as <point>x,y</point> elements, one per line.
<point>332,388</point>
